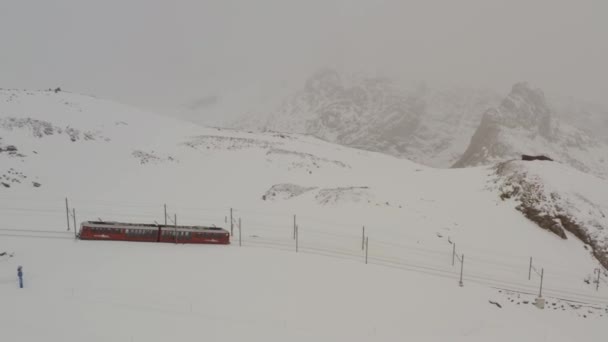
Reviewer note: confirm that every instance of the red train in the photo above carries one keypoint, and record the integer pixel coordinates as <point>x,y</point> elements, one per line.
<point>99,230</point>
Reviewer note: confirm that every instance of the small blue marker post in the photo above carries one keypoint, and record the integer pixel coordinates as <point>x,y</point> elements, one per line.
<point>20,275</point>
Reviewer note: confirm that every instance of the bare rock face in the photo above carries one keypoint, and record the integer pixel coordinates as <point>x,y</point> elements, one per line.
<point>524,124</point>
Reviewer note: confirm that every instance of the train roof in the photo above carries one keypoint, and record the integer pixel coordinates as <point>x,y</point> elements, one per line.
<point>123,225</point>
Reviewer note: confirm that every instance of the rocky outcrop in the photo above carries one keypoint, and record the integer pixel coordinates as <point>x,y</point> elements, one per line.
<point>556,207</point>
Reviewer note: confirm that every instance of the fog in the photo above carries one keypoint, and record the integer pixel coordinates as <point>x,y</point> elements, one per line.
<point>163,54</point>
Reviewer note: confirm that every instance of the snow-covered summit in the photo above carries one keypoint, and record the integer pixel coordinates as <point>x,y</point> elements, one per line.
<point>525,124</point>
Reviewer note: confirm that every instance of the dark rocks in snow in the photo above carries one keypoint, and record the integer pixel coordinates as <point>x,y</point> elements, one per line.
<point>41,128</point>
<point>285,191</point>
<point>531,158</point>
<point>151,157</point>
<point>496,303</point>
<point>6,185</point>
<point>543,220</point>
<point>36,184</point>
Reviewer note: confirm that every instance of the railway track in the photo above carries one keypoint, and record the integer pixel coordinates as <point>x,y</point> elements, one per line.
<point>36,234</point>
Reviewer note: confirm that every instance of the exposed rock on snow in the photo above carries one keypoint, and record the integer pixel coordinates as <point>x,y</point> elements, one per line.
<point>354,194</point>
<point>285,191</point>
<point>216,142</point>
<point>10,150</point>
<point>41,128</point>
<point>323,196</point>
<point>151,157</point>
<point>301,159</point>
<point>12,176</point>
<point>559,199</point>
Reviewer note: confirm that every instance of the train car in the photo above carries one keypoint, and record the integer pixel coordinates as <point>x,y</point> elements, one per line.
<point>194,234</point>
<point>118,231</point>
<point>99,230</point>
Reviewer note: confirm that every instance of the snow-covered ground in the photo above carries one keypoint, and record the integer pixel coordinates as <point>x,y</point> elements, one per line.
<point>117,163</point>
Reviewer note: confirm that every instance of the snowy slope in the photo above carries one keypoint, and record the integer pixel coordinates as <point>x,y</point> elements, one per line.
<point>117,163</point>
<point>578,205</point>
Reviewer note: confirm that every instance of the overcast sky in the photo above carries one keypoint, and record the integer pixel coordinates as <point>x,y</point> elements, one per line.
<point>159,53</point>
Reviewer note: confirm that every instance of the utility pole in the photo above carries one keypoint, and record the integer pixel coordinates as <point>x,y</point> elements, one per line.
<point>231,223</point>
<point>453,253</point>
<point>461,269</point>
<point>165,214</point>
<point>597,285</point>
<point>363,239</point>
<point>175,224</point>
<point>366,248</point>
<point>542,274</point>
<point>240,244</point>
<point>294,227</point>
<point>76,231</point>
<point>74,215</point>
<point>67,213</point>
<point>530,270</point>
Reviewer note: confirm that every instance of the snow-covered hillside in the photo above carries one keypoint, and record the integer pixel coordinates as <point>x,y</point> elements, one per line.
<point>525,124</point>
<point>560,199</point>
<point>117,163</point>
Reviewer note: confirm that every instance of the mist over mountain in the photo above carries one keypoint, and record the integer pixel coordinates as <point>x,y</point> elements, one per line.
<point>434,125</point>
<point>427,125</point>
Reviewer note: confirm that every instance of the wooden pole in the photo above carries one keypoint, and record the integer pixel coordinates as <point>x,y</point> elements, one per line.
<point>231,223</point>
<point>294,227</point>
<point>597,285</point>
<point>461,270</point>
<point>67,213</point>
<point>165,214</point>
<point>366,248</point>
<point>542,274</point>
<point>530,270</point>
<point>74,214</point>
<point>175,224</point>
<point>453,253</point>
<point>76,231</point>
<point>240,244</point>
<point>363,239</point>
